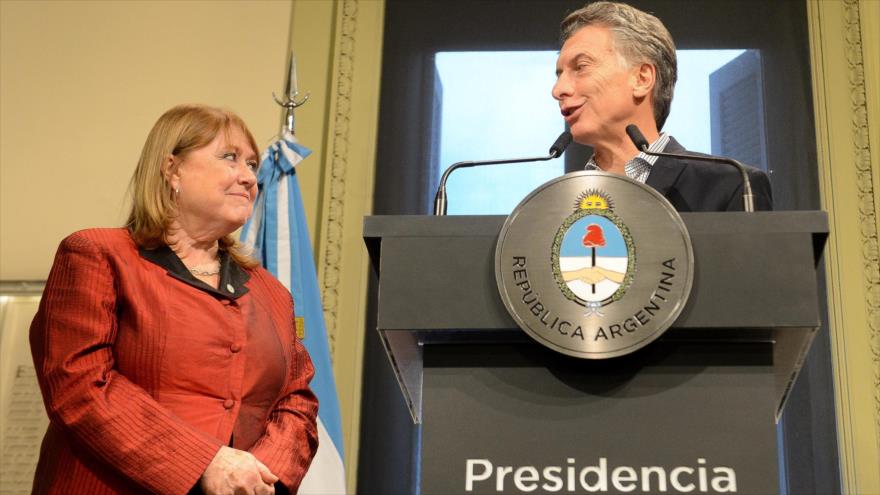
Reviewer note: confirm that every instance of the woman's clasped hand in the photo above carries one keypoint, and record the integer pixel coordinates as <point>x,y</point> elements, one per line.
<point>234,472</point>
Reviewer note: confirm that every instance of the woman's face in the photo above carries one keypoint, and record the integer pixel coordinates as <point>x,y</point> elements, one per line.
<point>217,186</point>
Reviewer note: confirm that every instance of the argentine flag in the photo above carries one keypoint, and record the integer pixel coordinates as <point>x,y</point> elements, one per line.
<point>277,231</point>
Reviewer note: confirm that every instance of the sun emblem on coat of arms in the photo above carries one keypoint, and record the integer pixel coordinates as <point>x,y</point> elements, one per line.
<point>593,254</point>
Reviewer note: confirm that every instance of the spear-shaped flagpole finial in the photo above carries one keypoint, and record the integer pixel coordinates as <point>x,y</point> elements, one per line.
<point>291,91</point>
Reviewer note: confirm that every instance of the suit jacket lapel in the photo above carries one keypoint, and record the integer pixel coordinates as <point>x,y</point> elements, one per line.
<point>665,171</point>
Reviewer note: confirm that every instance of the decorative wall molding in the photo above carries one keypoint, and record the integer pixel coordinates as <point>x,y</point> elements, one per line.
<point>864,180</point>
<point>340,148</point>
<point>843,51</point>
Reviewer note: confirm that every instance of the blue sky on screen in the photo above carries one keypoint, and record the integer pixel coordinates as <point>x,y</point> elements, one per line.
<point>498,105</point>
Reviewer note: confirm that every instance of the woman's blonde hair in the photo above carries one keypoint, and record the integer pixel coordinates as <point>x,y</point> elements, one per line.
<point>178,131</point>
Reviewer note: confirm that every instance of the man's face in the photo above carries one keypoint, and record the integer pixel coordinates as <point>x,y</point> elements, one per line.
<point>594,86</point>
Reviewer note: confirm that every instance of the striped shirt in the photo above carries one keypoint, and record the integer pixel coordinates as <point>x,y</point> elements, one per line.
<point>640,166</point>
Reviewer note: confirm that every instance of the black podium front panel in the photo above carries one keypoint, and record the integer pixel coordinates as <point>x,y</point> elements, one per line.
<point>691,413</point>
<point>672,418</point>
<point>754,280</point>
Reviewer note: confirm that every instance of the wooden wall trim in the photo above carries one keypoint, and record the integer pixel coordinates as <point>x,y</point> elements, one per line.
<point>845,87</point>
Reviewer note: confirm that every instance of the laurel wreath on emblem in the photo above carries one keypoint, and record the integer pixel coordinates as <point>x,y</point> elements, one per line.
<point>598,204</point>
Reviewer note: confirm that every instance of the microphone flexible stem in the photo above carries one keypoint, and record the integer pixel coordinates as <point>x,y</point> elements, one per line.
<point>748,197</point>
<point>641,143</point>
<point>440,197</point>
<point>556,150</point>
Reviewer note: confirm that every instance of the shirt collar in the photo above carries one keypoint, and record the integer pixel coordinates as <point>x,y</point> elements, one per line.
<point>658,145</point>
<point>232,276</point>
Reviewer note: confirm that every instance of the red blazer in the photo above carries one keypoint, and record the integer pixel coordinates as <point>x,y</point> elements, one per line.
<point>146,371</point>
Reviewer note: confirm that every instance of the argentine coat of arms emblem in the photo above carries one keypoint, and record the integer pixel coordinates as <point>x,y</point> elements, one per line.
<point>600,279</point>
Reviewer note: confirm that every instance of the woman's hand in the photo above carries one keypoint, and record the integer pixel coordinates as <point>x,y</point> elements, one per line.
<point>236,472</point>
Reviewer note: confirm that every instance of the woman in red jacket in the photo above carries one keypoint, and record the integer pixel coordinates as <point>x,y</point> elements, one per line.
<point>166,356</point>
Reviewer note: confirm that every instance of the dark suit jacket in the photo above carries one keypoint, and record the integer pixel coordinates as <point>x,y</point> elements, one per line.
<point>146,371</point>
<point>692,185</point>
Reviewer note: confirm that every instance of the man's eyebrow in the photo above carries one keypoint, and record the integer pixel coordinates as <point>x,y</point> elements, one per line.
<point>580,56</point>
<point>585,56</point>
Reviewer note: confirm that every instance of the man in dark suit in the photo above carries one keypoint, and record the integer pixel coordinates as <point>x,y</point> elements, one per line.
<point>617,67</point>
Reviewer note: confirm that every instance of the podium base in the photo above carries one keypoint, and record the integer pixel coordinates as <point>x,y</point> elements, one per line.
<point>676,417</point>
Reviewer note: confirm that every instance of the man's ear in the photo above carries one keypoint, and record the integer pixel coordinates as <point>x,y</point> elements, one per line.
<point>170,170</point>
<point>644,77</point>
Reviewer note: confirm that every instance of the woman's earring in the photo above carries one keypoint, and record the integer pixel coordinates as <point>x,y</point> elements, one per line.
<point>177,191</point>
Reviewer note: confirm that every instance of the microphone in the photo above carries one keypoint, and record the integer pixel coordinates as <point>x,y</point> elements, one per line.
<point>641,143</point>
<point>560,144</point>
<point>556,150</point>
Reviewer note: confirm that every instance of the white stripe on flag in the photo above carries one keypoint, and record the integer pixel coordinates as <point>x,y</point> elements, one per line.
<point>283,241</point>
<point>292,156</point>
<point>326,475</point>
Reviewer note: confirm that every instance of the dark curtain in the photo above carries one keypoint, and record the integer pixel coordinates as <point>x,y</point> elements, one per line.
<point>407,171</point>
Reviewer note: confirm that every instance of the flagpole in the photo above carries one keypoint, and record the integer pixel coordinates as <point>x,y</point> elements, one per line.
<point>291,91</point>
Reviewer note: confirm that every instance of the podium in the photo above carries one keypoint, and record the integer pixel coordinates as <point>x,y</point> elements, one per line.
<point>693,412</point>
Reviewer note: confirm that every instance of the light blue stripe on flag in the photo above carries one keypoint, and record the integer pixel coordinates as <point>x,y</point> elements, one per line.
<point>306,296</point>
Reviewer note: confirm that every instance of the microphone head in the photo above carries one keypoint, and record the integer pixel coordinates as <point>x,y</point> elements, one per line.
<point>637,137</point>
<point>561,143</point>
